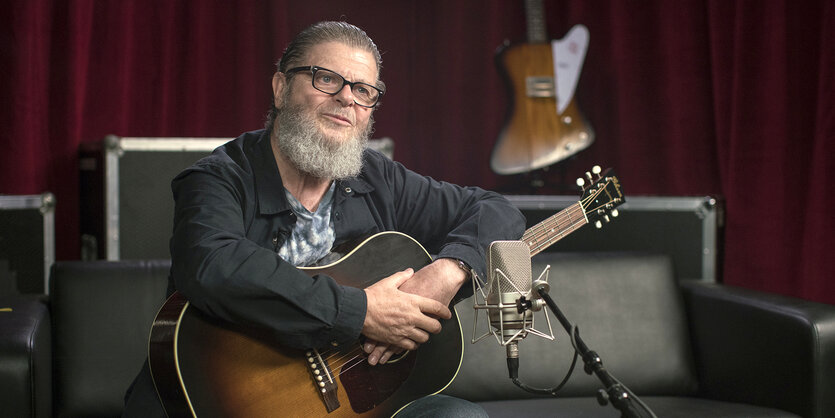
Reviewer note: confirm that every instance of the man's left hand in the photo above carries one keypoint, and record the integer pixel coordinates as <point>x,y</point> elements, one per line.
<point>440,280</point>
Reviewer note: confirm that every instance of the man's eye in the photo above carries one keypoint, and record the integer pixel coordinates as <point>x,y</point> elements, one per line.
<point>328,79</point>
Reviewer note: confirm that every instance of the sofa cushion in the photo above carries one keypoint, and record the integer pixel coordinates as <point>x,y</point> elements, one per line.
<point>102,314</point>
<point>628,309</point>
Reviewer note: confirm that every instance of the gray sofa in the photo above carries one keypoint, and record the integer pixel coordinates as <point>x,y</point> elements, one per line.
<point>686,349</point>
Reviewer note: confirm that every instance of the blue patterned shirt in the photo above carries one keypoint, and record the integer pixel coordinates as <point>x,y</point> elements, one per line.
<point>312,237</point>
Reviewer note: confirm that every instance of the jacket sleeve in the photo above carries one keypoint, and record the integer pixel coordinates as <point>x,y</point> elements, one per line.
<point>229,276</point>
<point>450,220</point>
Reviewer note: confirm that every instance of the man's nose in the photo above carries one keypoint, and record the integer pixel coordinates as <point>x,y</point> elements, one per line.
<point>345,96</point>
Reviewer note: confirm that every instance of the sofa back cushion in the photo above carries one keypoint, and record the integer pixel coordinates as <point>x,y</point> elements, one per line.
<point>627,308</point>
<point>101,316</point>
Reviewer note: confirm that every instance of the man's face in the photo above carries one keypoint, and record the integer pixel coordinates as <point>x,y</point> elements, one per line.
<point>336,117</point>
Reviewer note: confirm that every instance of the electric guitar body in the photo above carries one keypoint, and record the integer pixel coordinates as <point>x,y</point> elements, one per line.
<point>543,125</point>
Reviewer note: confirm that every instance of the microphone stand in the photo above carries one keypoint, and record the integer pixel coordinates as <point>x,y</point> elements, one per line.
<point>615,392</point>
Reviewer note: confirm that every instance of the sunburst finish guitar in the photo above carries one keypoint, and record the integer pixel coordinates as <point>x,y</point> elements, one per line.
<point>203,367</point>
<point>544,124</point>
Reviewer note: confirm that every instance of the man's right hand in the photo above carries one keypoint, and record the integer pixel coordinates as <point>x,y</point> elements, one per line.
<point>398,318</point>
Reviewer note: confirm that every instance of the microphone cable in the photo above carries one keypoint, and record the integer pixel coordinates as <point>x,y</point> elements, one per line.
<point>549,391</point>
<point>602,397</point>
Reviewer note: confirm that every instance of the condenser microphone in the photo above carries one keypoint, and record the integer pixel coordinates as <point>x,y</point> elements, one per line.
<point>509,280</point>
<point>510,300</point>
<point>509,264</point>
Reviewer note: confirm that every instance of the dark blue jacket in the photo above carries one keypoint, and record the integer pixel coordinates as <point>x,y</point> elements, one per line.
<point>231,216</point>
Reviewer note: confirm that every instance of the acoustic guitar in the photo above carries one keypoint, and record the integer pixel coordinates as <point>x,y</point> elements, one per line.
<point>204,367</point>
<point>544,124</point>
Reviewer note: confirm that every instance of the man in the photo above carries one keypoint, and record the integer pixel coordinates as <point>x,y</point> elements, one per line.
<point>273,200</point>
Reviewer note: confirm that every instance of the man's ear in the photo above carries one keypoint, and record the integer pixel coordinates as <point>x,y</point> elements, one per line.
<point>279,84</point>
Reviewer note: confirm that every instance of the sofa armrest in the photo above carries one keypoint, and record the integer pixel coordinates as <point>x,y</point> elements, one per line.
<point>762,348</point>
<point>25,357</point>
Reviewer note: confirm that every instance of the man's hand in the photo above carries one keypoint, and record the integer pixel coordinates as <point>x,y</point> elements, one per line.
<point>440,281</point>
<point>399,319</point>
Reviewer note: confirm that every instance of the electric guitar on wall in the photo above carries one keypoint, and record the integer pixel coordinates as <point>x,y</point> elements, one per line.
<point>204,367</point>
<point>544,124</point>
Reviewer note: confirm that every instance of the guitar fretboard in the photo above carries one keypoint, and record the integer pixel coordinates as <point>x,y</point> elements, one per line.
<point>554,228</point>
<point>535,18</point>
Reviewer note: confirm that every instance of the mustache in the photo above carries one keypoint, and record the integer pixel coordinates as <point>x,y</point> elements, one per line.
<point>342,113</point>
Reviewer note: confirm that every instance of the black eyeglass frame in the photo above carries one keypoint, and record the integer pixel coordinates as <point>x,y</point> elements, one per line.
<point>314,68</point>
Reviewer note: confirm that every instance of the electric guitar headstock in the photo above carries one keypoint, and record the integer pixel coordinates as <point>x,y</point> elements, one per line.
<point>601,196</point>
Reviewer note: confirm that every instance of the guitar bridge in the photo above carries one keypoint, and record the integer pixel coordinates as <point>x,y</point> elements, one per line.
<point>540,87</point>
<point>323,379</point>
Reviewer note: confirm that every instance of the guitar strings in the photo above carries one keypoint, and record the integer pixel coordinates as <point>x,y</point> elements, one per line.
<point>572,210</point>
<point>338,358</point>
<point>543,229</point>
<point>340,363</point>
<point>568,220</point>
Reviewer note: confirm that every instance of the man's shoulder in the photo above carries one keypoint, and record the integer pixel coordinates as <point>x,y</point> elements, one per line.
<point>235,157</point>
<point>240,151</point>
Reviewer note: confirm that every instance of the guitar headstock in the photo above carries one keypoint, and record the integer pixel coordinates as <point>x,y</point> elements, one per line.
<point>602,196</point>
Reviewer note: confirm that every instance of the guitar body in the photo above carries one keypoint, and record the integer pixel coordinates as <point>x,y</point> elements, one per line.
<point>535,135</point>
<point>204,367</point>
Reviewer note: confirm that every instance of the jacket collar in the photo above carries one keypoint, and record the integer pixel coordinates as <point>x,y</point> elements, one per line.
<point>270,188</point>
<point>268,185</point>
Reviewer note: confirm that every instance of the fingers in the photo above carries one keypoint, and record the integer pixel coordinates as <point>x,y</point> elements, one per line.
<point>400,277</point>
<point>397,320</point>
<point>433,307</point>
<point>390,352</point>
<point>381,353</point>
<point>376,355</point>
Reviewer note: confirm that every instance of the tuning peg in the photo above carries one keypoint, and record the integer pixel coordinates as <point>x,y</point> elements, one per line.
<point>580,182</point>
<point>598,224</point>
<point>615,213</point>
<point>606,218</point>
<point>596,170</point>
<point>588,176</point>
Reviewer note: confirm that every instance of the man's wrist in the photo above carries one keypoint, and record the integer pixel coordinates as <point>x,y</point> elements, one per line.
<point>466,267</point>
<point>463,266</point>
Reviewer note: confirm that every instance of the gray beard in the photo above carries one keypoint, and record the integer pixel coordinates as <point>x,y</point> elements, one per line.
<point>311,152</point>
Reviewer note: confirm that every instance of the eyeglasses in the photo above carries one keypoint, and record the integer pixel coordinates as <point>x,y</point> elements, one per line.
<point>332,83</point>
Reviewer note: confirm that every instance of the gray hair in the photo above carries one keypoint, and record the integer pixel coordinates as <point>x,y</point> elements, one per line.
<point>320,33</point>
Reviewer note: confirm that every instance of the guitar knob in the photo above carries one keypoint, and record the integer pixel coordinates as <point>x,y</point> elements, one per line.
<point>581,182</point>
<point>598,224</point>
<point>596,169</point>
<point>615,213</point>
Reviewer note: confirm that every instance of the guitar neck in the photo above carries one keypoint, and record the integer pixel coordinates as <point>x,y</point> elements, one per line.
<point>554,228</point>
<point>535,19</point>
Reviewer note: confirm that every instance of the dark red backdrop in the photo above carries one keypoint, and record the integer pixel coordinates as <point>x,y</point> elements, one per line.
<point>733,98</point>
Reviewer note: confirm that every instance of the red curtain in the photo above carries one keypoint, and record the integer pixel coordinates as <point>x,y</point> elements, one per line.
<point>730,98</point>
